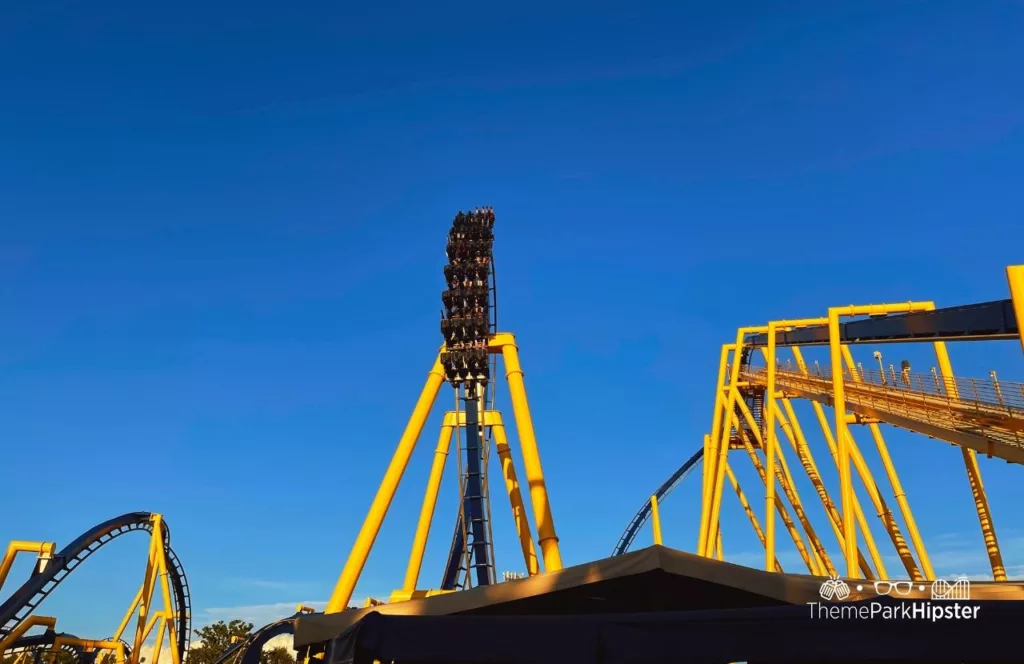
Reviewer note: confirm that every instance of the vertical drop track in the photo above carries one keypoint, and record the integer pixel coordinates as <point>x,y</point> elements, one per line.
<point>467,322</point>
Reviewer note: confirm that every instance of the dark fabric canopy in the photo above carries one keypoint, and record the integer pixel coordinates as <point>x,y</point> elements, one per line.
<point>655,579</point>
<point>762,635</point>
<point>652,579</point>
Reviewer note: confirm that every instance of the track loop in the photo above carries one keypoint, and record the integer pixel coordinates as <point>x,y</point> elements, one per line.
<point>20,605</point>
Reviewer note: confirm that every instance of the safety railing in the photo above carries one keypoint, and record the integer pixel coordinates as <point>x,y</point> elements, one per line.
<point>952,402</point>
<point>982,392</point>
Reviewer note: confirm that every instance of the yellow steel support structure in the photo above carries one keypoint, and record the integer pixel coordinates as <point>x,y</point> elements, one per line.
<point>19,631</point>
<point>452,420</point>
<point>656,521</point>
<point>499,344</point>
<point>141,608</point>
<point>43,551</point>
<point>734,422</point>
<point>869,484</point>
<point>1015,277</point>
<point>750,512</point>
<point>779,505</point>
<point>87,645</point>
<point>146,619</point>
<point>841,427</point>
<point>970,457</point>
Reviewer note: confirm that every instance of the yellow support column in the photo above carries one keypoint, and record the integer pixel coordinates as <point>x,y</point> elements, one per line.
<point>750,512</point>
<point>655,520</point>
<point>711,441</point>
<point>1015,277</point>
<point>718,480</point>
<point>970,457</point>
<point>894,479</point>
<point>883,511</point>
<point>843,438</point>
<point>783,476</point>
<point>783,514</point>
<point>531,455</point>
<point>845,481</point>
<point>515,497</point>
<point>382,501</point>
<point>148,586</point>
<point>770,441</point>
<point>160,567</point>
<point>136,658</point>
<point>795,435</point>
<point>419,543</point>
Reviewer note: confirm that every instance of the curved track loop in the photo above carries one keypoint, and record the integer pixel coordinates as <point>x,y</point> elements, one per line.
<point>644,514</point>
<point>25,599</point>
<point>248,650</point>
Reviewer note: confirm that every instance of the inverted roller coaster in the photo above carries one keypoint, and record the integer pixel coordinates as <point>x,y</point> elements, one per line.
<point>753,403</point>
<point>468,362</point>
<point>164,576</point>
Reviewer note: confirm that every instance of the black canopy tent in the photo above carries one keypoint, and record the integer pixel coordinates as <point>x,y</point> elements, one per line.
<point>655,579</point>
<point>760,635</point>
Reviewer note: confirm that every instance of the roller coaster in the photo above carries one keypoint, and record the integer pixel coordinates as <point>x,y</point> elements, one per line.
<point>164,575</point>
<point>754,401</point>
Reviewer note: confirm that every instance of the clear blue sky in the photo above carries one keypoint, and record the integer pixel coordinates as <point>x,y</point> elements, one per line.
<point>223,228</point>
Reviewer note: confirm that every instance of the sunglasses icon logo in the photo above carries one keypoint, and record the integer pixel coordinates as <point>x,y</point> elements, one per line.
<point>895,587</point>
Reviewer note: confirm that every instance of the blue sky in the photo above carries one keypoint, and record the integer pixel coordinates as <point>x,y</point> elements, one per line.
<point>223,229</point>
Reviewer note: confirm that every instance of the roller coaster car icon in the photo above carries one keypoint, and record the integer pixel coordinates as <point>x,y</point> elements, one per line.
<point>834,588</point>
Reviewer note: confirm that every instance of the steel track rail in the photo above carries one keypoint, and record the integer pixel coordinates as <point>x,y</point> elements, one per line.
<point>644,513</point>
<point>20,605</point>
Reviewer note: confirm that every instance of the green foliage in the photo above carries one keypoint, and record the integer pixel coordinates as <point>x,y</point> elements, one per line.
<point>277,656</point>
<point>216,638</point>
<point>213,641</point>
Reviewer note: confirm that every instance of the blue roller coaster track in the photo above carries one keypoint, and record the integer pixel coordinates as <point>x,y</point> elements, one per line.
<point>644,513</point>
<point>19,606</point>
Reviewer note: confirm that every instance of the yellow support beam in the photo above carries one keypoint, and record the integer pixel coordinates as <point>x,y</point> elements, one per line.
<point>503,344</point>
<point>970,459</point>
<point>385,494</point>
<point>43,550</point>
<point>655,520</point>
<point>515,495</point>
<point>894,480</point>
<point>795,435</point>
<point>1015,277</point>
<point>745,504</point>
<point>27,624</point>
<point>419,544</point>
<point>779,506</point>
<point>547,538</point>
<point>824,563</point>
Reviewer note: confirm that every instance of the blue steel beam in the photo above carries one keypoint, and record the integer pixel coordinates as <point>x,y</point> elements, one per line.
<point>990,321</point>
